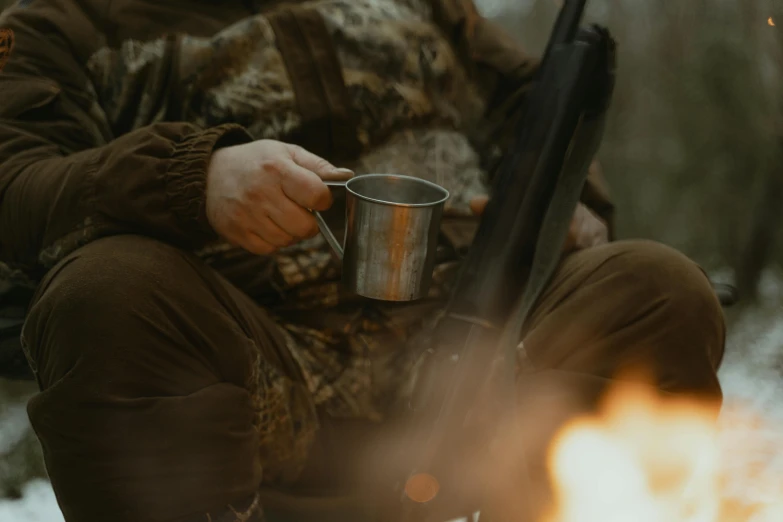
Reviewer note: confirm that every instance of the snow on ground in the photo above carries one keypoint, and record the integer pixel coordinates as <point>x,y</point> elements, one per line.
<point>37,505</point>
<point>752,376</point>
<point>14,426</point>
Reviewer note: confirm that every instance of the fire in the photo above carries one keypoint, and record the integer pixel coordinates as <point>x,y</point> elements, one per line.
<point>646,459</point>
<point>771,22</point>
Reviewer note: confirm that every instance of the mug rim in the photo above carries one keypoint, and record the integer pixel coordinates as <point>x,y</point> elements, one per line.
<point>443,191</point>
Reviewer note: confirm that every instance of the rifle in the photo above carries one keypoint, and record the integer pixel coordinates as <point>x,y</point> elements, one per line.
<point>468,370</point>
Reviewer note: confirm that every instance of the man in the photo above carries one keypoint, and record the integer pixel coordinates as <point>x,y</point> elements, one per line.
<point>191,341</point>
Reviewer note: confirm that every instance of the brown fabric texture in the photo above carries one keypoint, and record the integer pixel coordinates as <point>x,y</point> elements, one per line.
<point>173,393</point>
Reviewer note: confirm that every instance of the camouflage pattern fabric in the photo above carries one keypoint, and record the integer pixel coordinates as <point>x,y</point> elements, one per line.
<point>399,69</point>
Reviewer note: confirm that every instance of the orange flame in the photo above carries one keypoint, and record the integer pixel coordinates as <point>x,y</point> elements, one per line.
<point>645,459</point>
<point>771,22</point>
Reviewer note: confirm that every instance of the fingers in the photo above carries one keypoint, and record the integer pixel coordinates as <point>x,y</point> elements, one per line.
<point>238,232</point>
<point>593,232</point>
<point>256,245</point>
<point>305,188</point>
<point>586,230</point>
<point>263,236</point>
<point>258,194</point>
<point>313,163</point>
<point>338,175</point>
<point>273,234</point>
<point>281,215</point>
<point>293,219</point>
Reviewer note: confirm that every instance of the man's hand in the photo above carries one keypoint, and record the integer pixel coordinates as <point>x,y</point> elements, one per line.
<point>258,194</point>
<point>587,229</point>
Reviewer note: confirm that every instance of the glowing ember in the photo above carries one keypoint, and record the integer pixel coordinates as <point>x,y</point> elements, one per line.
<point>652,460</point>
<point>422,487</point>
<point>771,22</point>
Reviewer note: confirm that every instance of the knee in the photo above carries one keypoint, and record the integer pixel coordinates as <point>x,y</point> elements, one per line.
<point>657,272</point>
<point>111,301</point>
<point>675,291</point>
<point>106,281</point>
<point>630,307</point>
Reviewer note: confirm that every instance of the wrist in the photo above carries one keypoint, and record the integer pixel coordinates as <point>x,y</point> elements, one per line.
<point>186,179</point>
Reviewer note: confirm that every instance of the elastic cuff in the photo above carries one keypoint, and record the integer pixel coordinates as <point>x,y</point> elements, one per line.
<point>186,179</point>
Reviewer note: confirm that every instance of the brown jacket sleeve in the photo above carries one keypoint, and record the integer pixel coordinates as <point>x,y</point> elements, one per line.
<point>505,73</point>
<point>64,179</point>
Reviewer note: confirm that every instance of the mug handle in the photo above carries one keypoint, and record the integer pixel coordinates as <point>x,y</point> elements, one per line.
<point>335,245</point>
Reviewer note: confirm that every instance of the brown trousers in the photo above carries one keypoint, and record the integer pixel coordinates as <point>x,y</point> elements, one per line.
<point>143,357</point>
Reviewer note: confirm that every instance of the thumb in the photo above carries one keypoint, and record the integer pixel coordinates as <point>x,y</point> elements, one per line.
<point>316,164</point>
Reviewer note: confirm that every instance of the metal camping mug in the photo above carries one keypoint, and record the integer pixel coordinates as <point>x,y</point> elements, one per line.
<point>391,235</point>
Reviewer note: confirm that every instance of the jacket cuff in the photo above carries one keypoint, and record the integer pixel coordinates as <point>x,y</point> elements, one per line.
<point>186,178</point>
